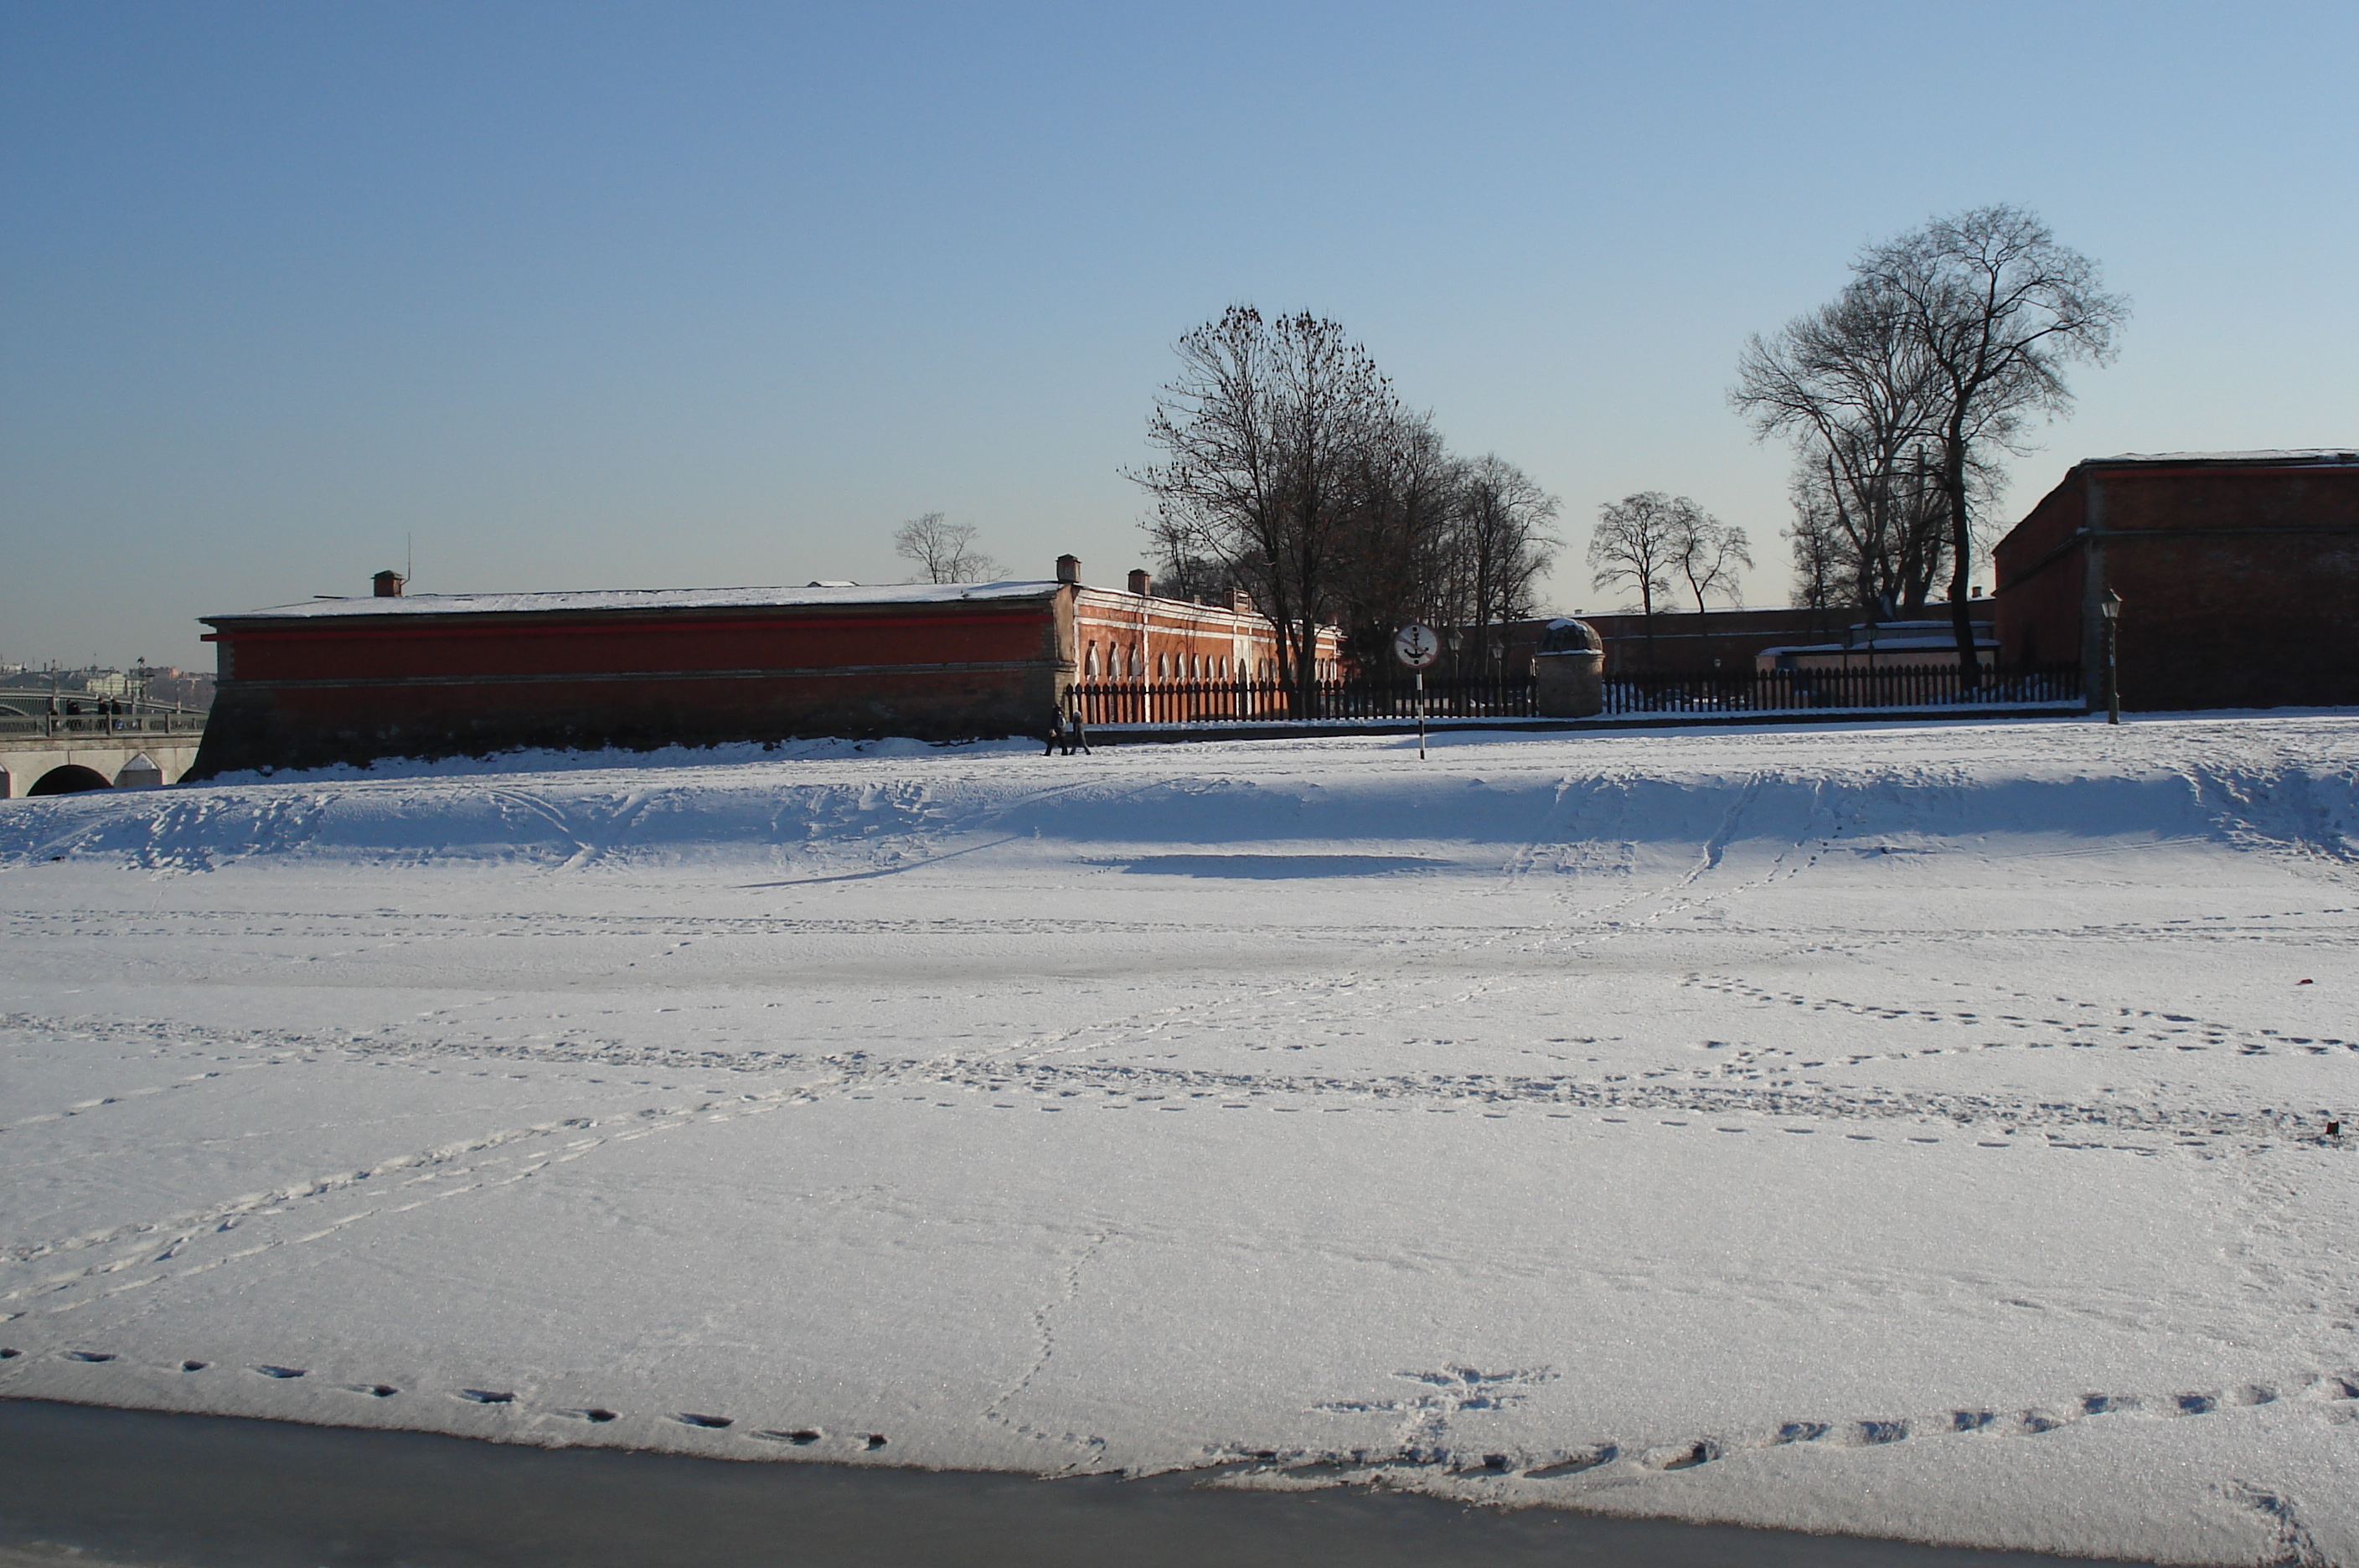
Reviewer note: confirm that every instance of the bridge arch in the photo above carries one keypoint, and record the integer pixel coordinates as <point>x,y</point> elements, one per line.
<point>70,780</point>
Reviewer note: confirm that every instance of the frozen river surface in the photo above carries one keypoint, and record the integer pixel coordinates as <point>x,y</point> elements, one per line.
<point>1917,1131</point>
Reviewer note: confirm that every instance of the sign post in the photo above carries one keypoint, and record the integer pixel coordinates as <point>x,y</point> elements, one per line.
<point>1417,647</point>
<point>2111,608</point>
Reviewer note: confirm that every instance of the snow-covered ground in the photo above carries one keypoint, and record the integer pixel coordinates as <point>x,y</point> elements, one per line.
<point>1907,1130</point>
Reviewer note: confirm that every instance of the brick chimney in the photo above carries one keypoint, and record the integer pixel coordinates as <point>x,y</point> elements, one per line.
<point>1069,569</point>
<point>388,585</point>
<point>1139,583</point>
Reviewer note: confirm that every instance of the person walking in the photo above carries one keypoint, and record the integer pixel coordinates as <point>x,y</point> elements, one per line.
<point>1065,732</point>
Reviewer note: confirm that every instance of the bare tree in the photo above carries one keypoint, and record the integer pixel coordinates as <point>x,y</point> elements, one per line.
<point>1260,432</point>
<point>1500,544</point>
<point>1888,545</point>
<point>1182,573</point>
<point>943,551</point>
<point>1631,549</point>
<point>1845,384</point>
<point>1394,566</point>
<point>1706,553</point>
<point>1818,555</point>
<point>1995,308</point>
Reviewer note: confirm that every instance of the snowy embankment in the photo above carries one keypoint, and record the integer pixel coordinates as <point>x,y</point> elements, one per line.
<point>1904,1131</point>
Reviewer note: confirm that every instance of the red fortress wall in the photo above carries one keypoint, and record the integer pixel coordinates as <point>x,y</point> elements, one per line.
<point>470,674</point>
<point>2238,574</point>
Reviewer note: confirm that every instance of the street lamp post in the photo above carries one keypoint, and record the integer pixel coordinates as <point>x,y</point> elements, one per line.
<point>2111,608</point>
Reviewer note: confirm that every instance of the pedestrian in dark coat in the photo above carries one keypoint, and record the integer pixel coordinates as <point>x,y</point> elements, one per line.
<point>1065,732</point>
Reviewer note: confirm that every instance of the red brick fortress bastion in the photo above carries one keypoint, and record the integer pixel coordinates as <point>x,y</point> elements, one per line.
<point>452,674</point>
<point>2238,574</point>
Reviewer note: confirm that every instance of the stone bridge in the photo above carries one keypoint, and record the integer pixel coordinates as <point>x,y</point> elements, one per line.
<point>58,755</point>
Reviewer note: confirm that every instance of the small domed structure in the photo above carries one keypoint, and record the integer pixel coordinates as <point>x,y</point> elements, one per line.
<point>1564,635</point>
<point>1568,671</point>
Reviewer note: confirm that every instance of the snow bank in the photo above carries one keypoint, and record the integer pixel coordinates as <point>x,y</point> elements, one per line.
<point>2191,780</point>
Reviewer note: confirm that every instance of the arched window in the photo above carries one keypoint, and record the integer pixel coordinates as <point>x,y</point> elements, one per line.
<point>1090,665</point>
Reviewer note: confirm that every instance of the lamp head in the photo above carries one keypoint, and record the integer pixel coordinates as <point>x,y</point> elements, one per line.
<point>2111,605</point>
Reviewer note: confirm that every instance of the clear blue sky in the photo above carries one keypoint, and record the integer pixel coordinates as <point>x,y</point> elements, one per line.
<point>606,296</point>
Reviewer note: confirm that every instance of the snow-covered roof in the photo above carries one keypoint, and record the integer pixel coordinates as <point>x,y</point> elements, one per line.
<point>650,599</point>
<point>2287,457</point>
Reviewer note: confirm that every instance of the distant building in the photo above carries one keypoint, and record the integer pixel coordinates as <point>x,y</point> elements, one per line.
<point>173,687</point>
<point>1684,642</point>
<point>2238,574</point>
<point>1883,644</point>
<point>446,674</point>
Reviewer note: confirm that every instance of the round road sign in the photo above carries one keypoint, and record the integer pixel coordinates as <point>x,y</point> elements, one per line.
<point>1415,645</point>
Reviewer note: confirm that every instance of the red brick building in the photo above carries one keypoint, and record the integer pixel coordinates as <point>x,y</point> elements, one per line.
<point>2238,574</point>
<point>438,675</point>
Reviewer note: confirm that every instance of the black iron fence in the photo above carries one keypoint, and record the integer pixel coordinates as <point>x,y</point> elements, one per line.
<point>1711,692</point>
<point>1886,686</point>
<point>1236,701</point>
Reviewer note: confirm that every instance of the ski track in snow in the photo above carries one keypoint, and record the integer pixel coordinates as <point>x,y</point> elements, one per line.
<point>1610,950</point>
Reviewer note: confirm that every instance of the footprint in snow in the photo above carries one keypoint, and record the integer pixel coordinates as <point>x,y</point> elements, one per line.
<point>1589,1459</point>
<point>2330,1388</point>
<point>1681,1455</point>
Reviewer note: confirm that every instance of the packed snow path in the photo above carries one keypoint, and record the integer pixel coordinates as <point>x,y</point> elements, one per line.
<point>1904,1130</point>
